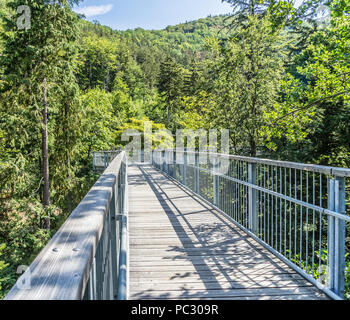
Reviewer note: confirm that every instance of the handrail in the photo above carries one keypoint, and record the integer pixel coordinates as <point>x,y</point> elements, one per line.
<point>297,211</point>
<point>124,249</point>
<point>102,159</point>
<point>282,196</point>
<point>82,259</point>
<point>335,171</point>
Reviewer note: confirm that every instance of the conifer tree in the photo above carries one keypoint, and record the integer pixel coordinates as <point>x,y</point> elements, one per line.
<point>36,60</point>
<point>280,11</point>
<point>248,81</point>
<point>170,85</point>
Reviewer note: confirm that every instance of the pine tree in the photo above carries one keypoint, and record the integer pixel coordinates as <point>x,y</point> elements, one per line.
<point>281,12</point>
<point>248,82</point>
<point>171,81</point>
<point>35,61</point>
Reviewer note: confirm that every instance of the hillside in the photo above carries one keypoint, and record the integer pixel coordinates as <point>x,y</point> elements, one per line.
<point>183,42</point>
<point>144,51</point>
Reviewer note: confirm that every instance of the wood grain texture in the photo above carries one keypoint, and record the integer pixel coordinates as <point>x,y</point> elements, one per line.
<point>182,248</point>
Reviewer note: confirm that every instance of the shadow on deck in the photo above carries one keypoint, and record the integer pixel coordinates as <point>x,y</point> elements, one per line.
<point>182,248</point>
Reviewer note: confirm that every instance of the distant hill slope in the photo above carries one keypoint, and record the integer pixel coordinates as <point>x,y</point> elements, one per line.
<point>204,26</point>
<point>183,42</point>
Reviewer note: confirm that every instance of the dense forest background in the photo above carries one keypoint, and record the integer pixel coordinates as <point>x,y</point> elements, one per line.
<point>276,76</point>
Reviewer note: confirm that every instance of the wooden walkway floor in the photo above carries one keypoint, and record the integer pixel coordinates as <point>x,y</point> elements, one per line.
<point>182,248</point>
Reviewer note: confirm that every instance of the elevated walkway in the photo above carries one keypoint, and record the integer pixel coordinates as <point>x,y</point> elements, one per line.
<point>183,248</point>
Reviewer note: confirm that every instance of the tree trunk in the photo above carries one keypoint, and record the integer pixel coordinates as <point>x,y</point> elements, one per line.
<point>69,202</point>
<point>45,156</point>
<point>69,195</point>
<point>253,148</point>
<point>169,114</point>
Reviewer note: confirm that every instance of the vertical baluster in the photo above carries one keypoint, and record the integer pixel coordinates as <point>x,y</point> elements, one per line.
<point>235,189</point>
<point>184,168</point>
<point>280,212</point>
<point>285,212</point>
<point>268,206</point>
<point>295,216</point>
<point>240,194</point>
<point>307,224</point>
<point>290,214</point>
<point>272,207</point>
<point>320,228</point>
<point>253,213</point>
<point>313,224</point>
<point>276,209</point>
<point>264,203</point>
<point>246,191</point>
<point>301,219</point>
<point>259,199</point>
<point>215,181</point>
<point>175,165</point>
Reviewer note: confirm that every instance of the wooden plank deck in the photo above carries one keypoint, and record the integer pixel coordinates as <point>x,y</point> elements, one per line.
<point>182,248</point>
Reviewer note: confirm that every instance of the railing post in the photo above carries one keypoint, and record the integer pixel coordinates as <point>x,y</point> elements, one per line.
<point>123,254</point>
<point>184,169</point>
<point>114,244</point>
<point>105,160</point>
<point>253,212</point>
<point>160,164</point>
<point>92,282</point>
<point>216,185</point>
<point>174,160</point>
<point>162,168</point>
<point>168,161</point>
<point>336,236</point>
<point>196,183</point>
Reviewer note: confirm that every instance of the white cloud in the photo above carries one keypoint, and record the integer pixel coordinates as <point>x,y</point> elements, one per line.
<point>92,11</point>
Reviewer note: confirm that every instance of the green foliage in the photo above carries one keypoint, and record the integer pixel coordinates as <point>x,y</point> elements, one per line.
<point>47,54</point>
<point>318,269</point>
<point>20,229</point>
<point>289,12</point>
<point>98,123</point>
<point>249,81</point>
<point>171,83</point>
<point>273,76</point>
<point>160,137</point>
<point>318,94</point>
<point>197,111</point>
<point>3,265</point>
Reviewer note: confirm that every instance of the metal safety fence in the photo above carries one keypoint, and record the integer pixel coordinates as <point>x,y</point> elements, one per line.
<point>297,211</point>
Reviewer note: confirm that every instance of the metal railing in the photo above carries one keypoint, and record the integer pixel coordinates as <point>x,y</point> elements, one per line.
<point>87,257</point>
<point>102,159</point>
<point>297,211</point>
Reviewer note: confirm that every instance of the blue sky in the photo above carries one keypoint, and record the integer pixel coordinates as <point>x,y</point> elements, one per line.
<point>149,14</point>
